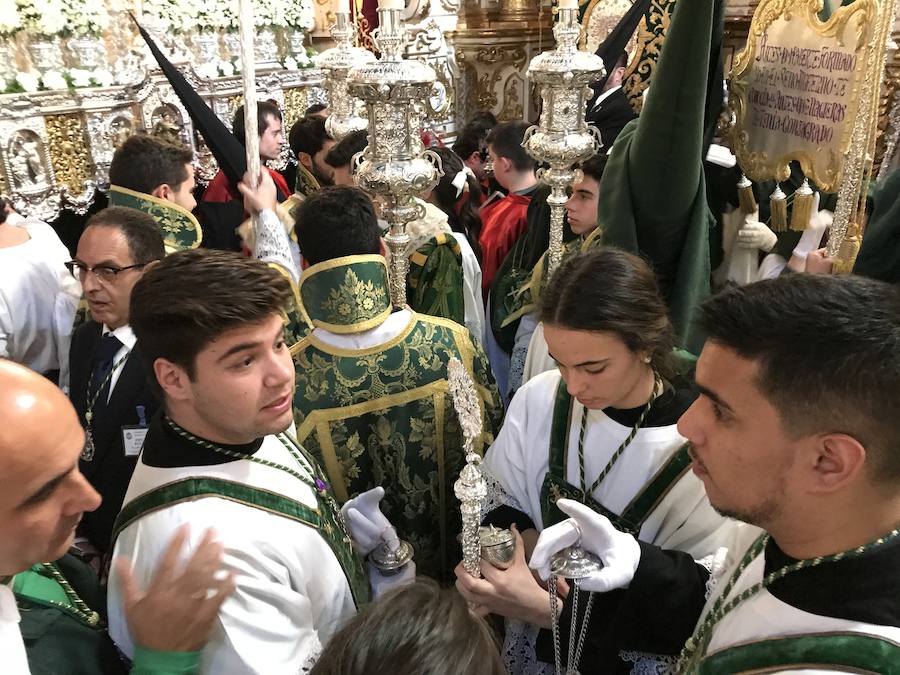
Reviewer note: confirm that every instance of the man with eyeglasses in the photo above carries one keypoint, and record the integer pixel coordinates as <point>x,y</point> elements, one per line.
<point>108,384</point>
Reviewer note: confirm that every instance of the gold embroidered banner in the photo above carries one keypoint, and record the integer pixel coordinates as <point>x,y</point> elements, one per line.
<point>796,88</point>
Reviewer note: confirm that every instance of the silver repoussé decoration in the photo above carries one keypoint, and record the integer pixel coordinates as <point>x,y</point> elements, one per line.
<point>562,138</point>
<point>573,563</point>
<point>345,111</point>
<point>395,167</point>
<point>470,488</point>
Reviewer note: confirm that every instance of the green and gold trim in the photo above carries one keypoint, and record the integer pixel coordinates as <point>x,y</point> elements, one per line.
<point>840,652</point>
<point>180,229</point>
<point>322,519</point>
<point>347,295</point>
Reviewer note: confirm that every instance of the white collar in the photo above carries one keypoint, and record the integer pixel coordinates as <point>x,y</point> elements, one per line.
<point>605,95</point>
<point>124,333</point>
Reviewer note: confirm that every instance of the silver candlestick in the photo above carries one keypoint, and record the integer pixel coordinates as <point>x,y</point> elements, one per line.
<point>572,563</point>
<point>395,166</point>
<point>346,112</point>
<point>471,488</point>
<point>562,138</point>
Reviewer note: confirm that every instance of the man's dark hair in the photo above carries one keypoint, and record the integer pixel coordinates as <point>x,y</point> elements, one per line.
<point>828,350</point>
<point>612,291</point>
<point>506,141</point>
<point>314,108</point>
<point>308,135</point>
<point>416,628</point>
<point>143,234</point>
<point>189,299</point>
<point>342,152</point>
<point>143,163</point>
<point>482,119</point>
<point>594,166</point>
<point>471,139</point>
<point>264,110</point>
<point>334,222</point>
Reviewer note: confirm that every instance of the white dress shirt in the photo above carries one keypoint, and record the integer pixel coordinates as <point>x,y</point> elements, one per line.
<point>127,338</point>
<point>12,648</point>
<point>38,298</point>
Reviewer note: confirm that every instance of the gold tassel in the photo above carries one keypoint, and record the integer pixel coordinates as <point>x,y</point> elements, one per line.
<point>801,210</point>
<point>745,195</point>
<point>778,210</point>
<point>848,250</point>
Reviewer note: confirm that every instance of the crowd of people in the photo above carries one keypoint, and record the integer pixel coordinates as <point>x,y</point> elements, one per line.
<point>225,450</point>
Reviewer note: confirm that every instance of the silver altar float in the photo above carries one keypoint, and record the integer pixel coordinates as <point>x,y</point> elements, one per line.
<point>562,138</point>
<point>395,167</point>
<point>346,111</point>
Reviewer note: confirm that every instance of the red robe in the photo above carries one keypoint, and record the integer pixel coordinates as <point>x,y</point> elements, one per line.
<point>220,190</point>
<point>502,223</point>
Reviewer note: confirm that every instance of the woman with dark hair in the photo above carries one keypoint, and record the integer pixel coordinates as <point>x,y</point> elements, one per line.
<point>609,440</point>
<point>419,629</point>
<point>458,195</point>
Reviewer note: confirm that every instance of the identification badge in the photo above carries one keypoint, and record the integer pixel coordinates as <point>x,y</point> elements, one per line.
<point>133,440</point>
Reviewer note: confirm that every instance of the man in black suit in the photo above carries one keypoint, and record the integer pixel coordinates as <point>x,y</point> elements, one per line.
<point>108,385</point>
<point>609,109</point>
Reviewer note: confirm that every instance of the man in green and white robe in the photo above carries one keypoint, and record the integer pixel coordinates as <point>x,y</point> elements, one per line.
<point>371,399</point>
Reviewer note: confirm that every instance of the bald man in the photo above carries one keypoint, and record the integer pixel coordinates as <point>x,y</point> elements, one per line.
<point>43,499</point>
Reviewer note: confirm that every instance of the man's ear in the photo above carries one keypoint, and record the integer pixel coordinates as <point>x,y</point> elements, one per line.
<point>836,460</point>
<point>173,379</point>
<point>619,75</point>
<point>474,158</point>
<point>305,160</point>
<point>163,191</point>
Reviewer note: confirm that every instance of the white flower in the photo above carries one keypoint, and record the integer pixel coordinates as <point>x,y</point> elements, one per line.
<point>53,79</point>
<point>28,81</point>
<point>290,63</point>
<point>208,70</point>
<point>226,68</point>
<point>103,78</point>
<point>299,14</point>
<point>80,77</point>
<point>303,60</point>
<point>9,18</point>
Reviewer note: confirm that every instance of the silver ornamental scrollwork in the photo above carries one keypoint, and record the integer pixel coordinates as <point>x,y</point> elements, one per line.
<point>395,167</point>
<point>346,111</point>
<point>562,138</point>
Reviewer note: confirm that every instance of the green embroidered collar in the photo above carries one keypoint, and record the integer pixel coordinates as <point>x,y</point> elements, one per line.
<point>347,295</point>
<point>180,228</point>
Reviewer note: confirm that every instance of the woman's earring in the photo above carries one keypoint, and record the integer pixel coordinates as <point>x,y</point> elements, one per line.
<point>647,359</point>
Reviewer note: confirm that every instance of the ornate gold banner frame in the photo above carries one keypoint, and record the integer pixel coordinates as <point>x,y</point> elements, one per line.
<point>796,88</point>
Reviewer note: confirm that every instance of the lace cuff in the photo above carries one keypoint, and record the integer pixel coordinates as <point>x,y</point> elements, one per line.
<point>497,496</point>
<point>273,244</point>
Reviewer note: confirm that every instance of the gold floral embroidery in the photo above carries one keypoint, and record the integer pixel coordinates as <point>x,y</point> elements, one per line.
<point>372,416</point>
<point>353,300</point>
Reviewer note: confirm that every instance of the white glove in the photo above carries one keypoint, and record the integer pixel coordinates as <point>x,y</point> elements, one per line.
<point>755,235</point>
<point>367,524</point>
<point>619,552</point>
<point>811,239</point>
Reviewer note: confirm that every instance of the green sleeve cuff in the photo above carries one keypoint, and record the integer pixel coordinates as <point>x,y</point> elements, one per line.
<point>152,662</point>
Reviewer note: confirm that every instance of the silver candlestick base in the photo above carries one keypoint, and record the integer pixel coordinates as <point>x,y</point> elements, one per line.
<point>576,564</point>
<point>390,562</point>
